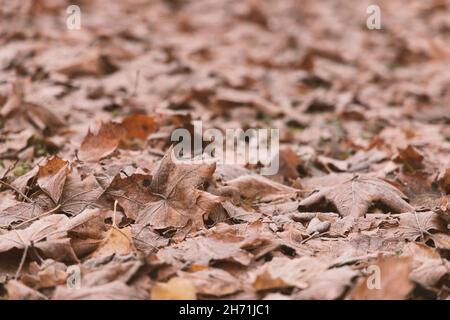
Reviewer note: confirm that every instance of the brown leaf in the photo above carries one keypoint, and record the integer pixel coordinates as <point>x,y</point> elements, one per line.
<point>328,285</point>
<point>18,291</point>
<point>414,225</point>
<point>97,146</point>
<point>174,289</point>
<point>79,194</point>
<point>115,290</point>
<point>394,281</point>
<point>19,212</point>
<point>52,176</point>
<point>355,196</point>
<point>285,273</point>
<point>253,186</point>
<point>117,241</point>
<point>14,101</point>
<point>203,250</point>
<point>41,117</point>
<point>212,282</point>
<point>106,282</point>
<point>50,235</point>
<point>92,63</point>
<point>176,201</point>
<point>132,193</point>
<point>227,98</point>
<point>428,267</point>
<point>410,157</point>
<point>139,126</point>
<point>47,274</point>
<point>444,180</point>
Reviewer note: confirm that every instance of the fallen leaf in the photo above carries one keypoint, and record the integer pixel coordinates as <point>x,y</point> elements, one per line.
<point>355,196</point>
<point>117,241</point>
<point>414,225</point>
<point>101,144</point>
<point>139,126</point>
<point>175,289</point>
<point>427,268</point>
<point>79,194</point>
<point>285,272</point>
<point>212,282</point>
<point>52,176</point>
<point>255,186</point>
<point>328,285</point>
<point>203,250</point>
<point>18,291</point>
<point>176,200</point>
<point>394,278</point>
<point>115,290</point>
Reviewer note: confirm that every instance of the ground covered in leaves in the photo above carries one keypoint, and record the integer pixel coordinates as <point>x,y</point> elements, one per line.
<point>87,181</point>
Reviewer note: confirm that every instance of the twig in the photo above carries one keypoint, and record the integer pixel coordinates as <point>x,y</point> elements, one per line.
<point>24,256</point>
<point>314,235</point>
<point>359,258</point>
<point>16,190</point>
<point>38,216</point>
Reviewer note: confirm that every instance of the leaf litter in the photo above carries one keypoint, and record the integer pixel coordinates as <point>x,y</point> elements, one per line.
<point>88,182</point>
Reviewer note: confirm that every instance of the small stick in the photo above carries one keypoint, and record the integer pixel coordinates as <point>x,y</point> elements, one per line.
<point>16,190</point>
<point>38,216</point>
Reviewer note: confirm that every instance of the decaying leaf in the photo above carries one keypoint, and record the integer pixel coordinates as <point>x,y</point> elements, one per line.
<point>212,282</point>
<point>390,280</point>
<point>203,250</point>
<point>255,186</point>
<point>415,225</point>
<point>96,146</point>
<point>117,241</point>
<point>94,203</point>
<point>174,289</point>
<point>139,126</point>
<point>52,176</point>
<point>284,272</point>
<point>176,200</point>
<point>355,196</point>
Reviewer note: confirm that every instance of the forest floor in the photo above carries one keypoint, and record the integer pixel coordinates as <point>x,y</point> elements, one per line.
<point>93,205</point>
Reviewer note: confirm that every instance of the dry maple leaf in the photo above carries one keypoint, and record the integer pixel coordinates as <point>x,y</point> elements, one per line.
<point>410,157</point>
<point>105,282</point>
<point>394,281</point>
<point>354,197</point>
<point>255,186</point>
<point>414,225</point>
<point>202,250</point>
<point>78,194</point>
<point>117,241</point>
<point>132,193</point>
<point>428,268</point>
<point>176,200</point>
<point>52,176</point>
<point>139,126</point>
<point>97,146</point>
<point>212,282</point>
<point>47,234</point>
<point>19,212</point>
<point>284,272</point>
<point>328,285</point>
<point>51,236</point>
<point>43,229</point>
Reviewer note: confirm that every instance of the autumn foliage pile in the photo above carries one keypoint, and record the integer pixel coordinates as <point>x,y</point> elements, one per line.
<point>88,183</point>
